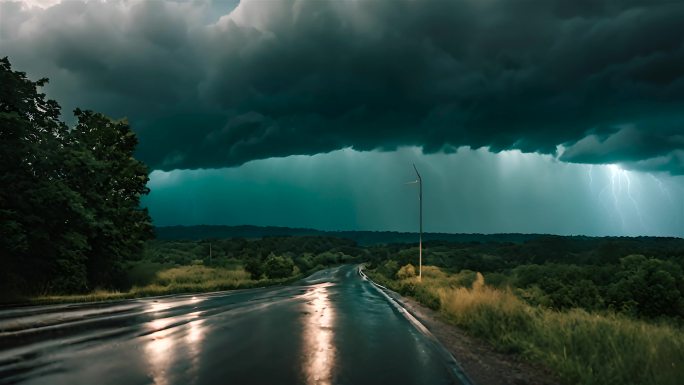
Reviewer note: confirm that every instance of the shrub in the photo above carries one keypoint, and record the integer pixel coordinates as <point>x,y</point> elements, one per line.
<point>278,266</point>
<point>389,268</point>
<point>433,272</point>
<point>428,297</point>
<point>406,271</point>
<point>254,267</point>
<point>498,280</point>
<point>466,278</point>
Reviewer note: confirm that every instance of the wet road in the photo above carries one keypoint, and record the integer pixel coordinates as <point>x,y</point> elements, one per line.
<point>331,328</point>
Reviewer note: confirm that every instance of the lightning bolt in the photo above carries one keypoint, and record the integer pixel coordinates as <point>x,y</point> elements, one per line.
<point>621,196</point>
<point>631,198</point>
<point>615,174</point>
<point>591,178</point>
<point>601,193</point>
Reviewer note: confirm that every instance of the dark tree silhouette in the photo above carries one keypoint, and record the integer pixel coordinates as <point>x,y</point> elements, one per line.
<point>69,198</point>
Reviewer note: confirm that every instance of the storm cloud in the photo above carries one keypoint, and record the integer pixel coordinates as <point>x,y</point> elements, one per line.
<point>210,85</point>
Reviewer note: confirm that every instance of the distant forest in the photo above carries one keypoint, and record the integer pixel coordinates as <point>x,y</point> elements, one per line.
<point>360,237</point>
<point>642,277</point>
<point>638,276</point>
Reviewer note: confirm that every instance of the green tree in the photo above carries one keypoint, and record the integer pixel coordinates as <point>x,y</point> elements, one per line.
<point>69,198</point>
<point>111,181</point>
<point>647,287</point>
<point>41,248</point>
<point>254,267</point>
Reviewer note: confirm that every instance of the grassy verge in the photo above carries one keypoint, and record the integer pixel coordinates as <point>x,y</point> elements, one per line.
<point>583,348</point>
<point>176,280</point>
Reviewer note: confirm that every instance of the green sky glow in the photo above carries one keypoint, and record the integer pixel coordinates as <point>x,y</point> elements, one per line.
<point>469,191</point>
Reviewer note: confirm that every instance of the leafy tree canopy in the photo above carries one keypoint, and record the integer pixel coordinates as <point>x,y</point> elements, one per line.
<point>69,201</point>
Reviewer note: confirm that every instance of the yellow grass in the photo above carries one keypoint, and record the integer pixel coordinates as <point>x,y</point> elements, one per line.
<point>184,279</point>
<point>583,348</point>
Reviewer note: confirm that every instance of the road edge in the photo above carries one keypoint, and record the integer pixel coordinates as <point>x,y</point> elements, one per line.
<point>455,368</point>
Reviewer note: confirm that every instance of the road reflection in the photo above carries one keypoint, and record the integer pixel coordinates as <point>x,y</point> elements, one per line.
<point>170,347</point>
<point>193,340</point>
<point>319,350</point>
<point>159,354</point>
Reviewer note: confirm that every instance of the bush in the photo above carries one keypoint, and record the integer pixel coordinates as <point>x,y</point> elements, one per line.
<point>428,297</point>
<point>466,278</point>
<point>305,262</point>
<point>142,273</point>
<point>497,280</point>
<point>406,271</point>
<point>278,266</point>
<point>254,267</point>
<point>389,269</point>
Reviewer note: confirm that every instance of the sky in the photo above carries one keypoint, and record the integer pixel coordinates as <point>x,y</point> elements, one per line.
<point>533,116</point>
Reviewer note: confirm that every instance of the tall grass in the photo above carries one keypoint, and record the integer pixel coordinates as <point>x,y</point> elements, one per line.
<point>196,278</point>
<point>201,275</point>
<point>183,279</point>
<point>583,348</point>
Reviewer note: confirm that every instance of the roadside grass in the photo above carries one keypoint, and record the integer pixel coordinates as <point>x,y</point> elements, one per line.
<point>581,347</point>
<point>175,280</point>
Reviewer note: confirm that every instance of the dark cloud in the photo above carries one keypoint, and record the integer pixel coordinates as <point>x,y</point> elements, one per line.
<point>602,78</point>
<point>655,150</point>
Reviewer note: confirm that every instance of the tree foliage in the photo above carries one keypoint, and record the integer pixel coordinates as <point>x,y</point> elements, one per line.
<point>640,276</point>
<point>254,267</point>
<point>276,266</point>
<point>69,197</point>
<point>648,287</point>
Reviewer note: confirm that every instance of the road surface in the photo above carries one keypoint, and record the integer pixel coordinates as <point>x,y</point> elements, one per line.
<point>334,327</point>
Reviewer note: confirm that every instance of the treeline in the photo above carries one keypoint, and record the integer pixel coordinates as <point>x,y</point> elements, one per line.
<point>269,257</point>
<point>364,238</point>
<point>637,285</point>
<point>69,196</point>
<point>642,277</point>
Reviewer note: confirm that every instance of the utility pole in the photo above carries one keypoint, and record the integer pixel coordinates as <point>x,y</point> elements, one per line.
<point>420,239</point>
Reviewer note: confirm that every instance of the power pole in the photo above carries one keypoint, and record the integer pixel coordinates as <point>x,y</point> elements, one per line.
<point>420,239</point>
<point>419,181</point>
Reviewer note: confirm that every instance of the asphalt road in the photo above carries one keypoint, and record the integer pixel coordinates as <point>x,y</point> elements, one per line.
<point>334,327</point>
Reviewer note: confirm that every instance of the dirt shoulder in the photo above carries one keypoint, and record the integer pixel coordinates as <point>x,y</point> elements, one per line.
<point>479,360</point>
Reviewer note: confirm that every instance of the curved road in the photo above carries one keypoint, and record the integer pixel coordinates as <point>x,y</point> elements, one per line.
<point>334,327</point>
